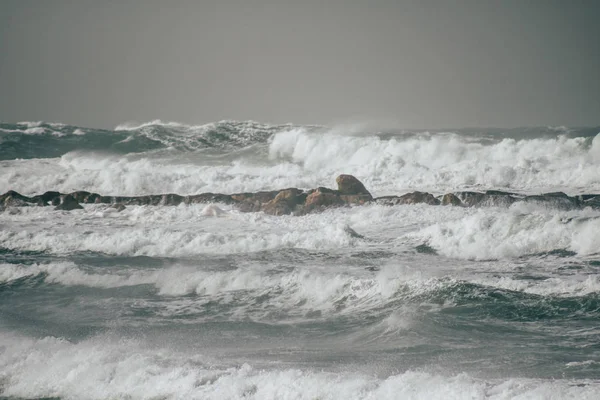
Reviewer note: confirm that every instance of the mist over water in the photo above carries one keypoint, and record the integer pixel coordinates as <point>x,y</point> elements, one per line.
<point>370,302</point>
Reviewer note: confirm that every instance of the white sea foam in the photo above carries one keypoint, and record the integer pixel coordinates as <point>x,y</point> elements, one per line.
<point>497,233</point>
<point>161,241</point>
<point>103,367</point>
<point>314,285</point>
<point>456,232</point>
<point>445,161</point>
<point>69,274</point>
<point>300,158</point>
<point>132,126</point>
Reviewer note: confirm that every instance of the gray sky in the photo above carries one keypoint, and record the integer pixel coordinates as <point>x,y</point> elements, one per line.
<point>423,64</point>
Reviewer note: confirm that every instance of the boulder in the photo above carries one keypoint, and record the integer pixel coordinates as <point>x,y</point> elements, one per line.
<point>68,203</point>
<point>349,185</point>
<point>322,198</point>
<point>285,202</point>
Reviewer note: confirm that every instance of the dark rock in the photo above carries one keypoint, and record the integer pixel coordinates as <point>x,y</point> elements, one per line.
<point>586,197</point>
<point>451,199</point>
<point>172,199</point>
<point>425,249</point>
<point>91,198</point>
<point>322,189</point>
<point>593,201</point>
<point>249,206</point>
<point>352,233</point>
<point>260,197</point>
<point>152,200</point>
<point>387,200</point>
<point>14,199</point>
<point>68,203</point>
<point>321,198</point>
<point>209,198</point>
<point>358,199</point>
<point>556,194</point>
<point>285,202</point>
<point>128,200</point>
<point>80,196</point>
<point>348,184</point>
<point>557,200</point>
<point>47,197</point>
<point>83,196</point>
<point>103,200</point>
<point>253,202</point>
<point>409,198</point>
<point>499,193</point>
<point>420,197</point>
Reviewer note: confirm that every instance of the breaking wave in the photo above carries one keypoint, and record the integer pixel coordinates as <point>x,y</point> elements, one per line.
<point>230,156</point>
<point>101,368</point>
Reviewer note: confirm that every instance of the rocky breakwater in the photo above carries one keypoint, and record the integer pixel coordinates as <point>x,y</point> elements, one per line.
<point>292,201</point>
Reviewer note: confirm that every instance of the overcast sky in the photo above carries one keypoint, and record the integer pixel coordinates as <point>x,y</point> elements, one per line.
<point>427,64</point>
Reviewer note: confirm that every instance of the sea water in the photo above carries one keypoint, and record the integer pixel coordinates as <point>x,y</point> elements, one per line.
<point>203,301</point>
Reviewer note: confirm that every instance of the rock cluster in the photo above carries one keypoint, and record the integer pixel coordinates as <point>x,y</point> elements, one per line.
<point>293,201</point>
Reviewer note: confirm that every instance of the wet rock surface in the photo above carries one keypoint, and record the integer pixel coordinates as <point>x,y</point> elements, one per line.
<point>68,203</point>
<point>294,201</point>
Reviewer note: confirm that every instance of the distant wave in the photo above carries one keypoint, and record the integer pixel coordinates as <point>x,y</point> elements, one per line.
<point>48,140</point>
<point>240,156</point>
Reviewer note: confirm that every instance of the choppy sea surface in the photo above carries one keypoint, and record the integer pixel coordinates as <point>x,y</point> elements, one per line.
<point>426,302</point>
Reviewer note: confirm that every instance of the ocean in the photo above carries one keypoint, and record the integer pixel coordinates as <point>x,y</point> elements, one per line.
<point>374,301</point>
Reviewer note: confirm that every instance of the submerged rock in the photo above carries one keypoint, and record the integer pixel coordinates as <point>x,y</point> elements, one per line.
<point>68,203</point>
